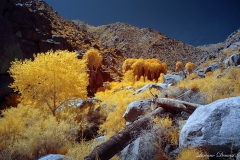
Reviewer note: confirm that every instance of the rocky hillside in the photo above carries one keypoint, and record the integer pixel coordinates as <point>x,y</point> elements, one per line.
<point>144,42</point>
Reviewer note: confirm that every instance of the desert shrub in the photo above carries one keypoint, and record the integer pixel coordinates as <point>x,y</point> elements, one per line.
<point>190,67</point>
<point>169,130</point>
<point>50,79</point>
<point>192,154</point>
<point>179,66</point>
<point>27,133</point>
<point>213,86</point>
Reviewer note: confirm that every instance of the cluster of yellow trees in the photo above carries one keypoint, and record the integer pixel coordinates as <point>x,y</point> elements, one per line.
<point>148,68</point>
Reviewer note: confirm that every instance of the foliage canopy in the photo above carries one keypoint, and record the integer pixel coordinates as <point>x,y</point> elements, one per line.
<point>50,79</point>
<point>148,68</point>
<point>94,59</point>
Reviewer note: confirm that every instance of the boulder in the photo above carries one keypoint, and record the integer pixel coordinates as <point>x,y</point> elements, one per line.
<point>201,73</point>
<point>159,86</point>
<point>137,109</point>
<point>172,79</point>
<point>233,60</point>
<point>212,67</point>
<point>214,127</point>
<point>131,152</point>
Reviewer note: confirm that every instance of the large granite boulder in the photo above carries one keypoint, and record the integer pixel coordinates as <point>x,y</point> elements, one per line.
<point>137,109</point>
<point>214,126</point>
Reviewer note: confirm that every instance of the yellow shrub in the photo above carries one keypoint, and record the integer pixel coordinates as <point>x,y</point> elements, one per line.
<point>214,86</point>
<point>179,66</point>
<point>170,131</point>
<point>190,67</point>
<point>29,133</point>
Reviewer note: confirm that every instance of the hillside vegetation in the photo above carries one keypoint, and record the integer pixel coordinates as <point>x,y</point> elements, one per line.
<point>38,127</point>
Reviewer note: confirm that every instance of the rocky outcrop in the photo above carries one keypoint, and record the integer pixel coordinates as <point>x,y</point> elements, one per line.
<point>232,39</point>
<point>143,42</point>
<point>214,127</point>
<point>137,109</point>
<point>233,60</point>
<point>212,67</point>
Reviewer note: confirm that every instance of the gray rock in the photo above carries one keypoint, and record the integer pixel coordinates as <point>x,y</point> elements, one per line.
<point>129,87</point>
<point>233,60</point>
<point>214,126</point>
<point>56,157</point>
<point>172,79</point>
<point>212,67</point>
<point>131,152</point>
<point>159,86</point>
<point>201,73</point>
<point>234,45</point>
<point>137,109</point>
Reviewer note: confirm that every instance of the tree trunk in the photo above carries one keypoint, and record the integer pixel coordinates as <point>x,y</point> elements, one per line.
<point>174,104</point>
<point>119,141</point>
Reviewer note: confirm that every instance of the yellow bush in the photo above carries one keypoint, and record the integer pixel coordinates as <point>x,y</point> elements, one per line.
<point>179,66</point>
<point>28,133</point>
<point>50,79</point>
<point>214,86</point>
<point>192,154</point>
<point>190,67</point>
<point>169,130</point>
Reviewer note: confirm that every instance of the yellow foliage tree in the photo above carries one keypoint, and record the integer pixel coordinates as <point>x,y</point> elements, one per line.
<point>50,79</point>
<point>94,59</point>
<point>179,66</point>
<point>190,67</point>
<point>148,68</point>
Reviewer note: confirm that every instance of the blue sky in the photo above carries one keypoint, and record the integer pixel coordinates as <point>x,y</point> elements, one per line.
<point>196,22</point>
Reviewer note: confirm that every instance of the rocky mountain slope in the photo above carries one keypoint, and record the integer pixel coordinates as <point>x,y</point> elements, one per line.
<point>144,43</point>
